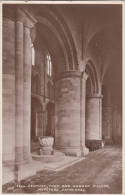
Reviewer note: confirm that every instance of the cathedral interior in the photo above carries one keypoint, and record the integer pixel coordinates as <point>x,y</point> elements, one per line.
<point>61,79</point>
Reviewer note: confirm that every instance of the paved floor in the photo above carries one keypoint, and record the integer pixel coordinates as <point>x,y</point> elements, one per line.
<point>99,173</point>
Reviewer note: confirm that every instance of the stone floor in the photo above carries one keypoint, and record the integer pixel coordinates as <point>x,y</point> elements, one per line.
<point>99,173</point>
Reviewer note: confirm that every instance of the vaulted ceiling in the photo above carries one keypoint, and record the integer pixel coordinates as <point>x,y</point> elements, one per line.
<point>97,32</point>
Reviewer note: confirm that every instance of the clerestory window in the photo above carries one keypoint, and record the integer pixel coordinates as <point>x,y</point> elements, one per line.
<point>33,55</point>
<point>49,65</point>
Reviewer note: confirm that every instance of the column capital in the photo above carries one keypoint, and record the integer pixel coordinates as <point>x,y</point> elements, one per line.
<point>84,75</point>
<point>96,95</point>
<point>69,74</point>
<point>24,16</point>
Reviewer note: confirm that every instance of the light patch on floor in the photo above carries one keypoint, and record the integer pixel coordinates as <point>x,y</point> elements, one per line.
<point>67,161</point>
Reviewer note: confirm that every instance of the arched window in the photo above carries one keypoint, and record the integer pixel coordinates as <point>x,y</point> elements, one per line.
<point>33,55</point>
<point>49,65</point>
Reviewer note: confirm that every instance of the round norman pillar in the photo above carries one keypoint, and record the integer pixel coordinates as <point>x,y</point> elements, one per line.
<point>67,113</point>
<point>94,120</point>
<point>107,123</point>
<point>107,112</point>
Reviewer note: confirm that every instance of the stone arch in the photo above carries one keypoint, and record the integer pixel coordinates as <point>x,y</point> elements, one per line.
<point>92,78</point>
<point>104,49</point>
<point>57,36</point>
<point>102,28</point>
<point>69,37</point>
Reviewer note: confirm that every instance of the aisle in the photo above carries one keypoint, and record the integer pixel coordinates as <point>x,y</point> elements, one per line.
<point>100,172</point>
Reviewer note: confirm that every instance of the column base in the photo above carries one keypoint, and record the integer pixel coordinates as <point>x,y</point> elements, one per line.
<point>24,171</point>
<point>8,173</point>
<point>108,141</point>
<point>94,144</point>
<point>117,140</point>
<point>73,151</point>
<point>85,151</point>
<point>17,172</point>
<point>26,155</point>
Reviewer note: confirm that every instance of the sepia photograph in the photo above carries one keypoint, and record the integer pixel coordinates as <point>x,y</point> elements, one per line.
<point>62,98</point>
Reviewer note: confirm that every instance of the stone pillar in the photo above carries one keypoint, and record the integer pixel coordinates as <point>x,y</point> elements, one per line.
<point>8,91</point>
<point>17,67</point>
<point>117,124</point>
<point>107,123</point>
<point>84,149</point>
<point>94,121</point>
<point>27,95</point>
<point>19,93</point>
<point>107,112</point>
<point>67,114</point>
